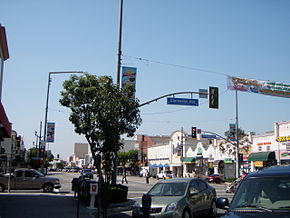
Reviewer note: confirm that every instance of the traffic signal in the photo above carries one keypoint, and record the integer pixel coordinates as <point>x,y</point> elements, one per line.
<point>241,158</point>
<point>214,97</point>
<point>193,132</point>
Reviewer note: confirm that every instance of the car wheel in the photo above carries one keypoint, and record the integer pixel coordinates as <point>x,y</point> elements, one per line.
<point>186,214</point>
<point>47,187</point>
<point>213,209</point>
<point>2,188</point>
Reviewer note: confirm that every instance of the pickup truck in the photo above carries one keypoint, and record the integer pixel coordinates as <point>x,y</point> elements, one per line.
<point>24,178</point>
<point>166,174</point>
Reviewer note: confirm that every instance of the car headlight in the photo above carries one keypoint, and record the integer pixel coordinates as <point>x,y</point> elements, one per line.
<point>136,207</point>
<point>171,207</point>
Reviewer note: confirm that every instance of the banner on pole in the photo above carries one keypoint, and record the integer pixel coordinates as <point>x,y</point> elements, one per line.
<point>129,78</point>
<point>50,132</point>
<point>260,87</point>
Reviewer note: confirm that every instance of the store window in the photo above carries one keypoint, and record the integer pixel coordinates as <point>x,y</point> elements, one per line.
<point>268,148</point>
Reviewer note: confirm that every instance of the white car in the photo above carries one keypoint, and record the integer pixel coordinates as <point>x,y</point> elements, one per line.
<point>166,174</point>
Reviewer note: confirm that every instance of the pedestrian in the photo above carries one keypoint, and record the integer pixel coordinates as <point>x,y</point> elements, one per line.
<point>147,176</point>
<point>124,179</point>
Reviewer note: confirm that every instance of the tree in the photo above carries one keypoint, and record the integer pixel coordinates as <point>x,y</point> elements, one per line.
<point>31,160</point>
<point>102,113</point>
<point>128,159</point>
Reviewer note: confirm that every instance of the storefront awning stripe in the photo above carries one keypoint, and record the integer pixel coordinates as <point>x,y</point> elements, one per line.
<point>188,160</point>
<point>262,156</point>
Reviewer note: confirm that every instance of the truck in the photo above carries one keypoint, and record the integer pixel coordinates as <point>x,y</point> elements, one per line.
<point>151,170</point>
<point>28,179</point>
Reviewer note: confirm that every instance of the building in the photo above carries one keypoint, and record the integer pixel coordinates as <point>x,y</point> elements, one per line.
<point>272,147</point>
<point>5,125</point>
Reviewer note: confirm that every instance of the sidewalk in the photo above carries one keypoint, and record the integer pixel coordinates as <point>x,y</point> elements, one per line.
<point>116,210</point>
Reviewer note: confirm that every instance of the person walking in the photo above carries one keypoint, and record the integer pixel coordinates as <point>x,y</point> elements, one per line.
<point>124,179</point>
<point>147,176</point>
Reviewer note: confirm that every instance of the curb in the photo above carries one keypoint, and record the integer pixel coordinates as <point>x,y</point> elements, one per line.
<point>116,208</point>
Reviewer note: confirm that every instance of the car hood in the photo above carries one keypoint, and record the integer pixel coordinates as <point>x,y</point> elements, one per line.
<point>49,178</point>
<point>161,201</point>
<point>255,214</point>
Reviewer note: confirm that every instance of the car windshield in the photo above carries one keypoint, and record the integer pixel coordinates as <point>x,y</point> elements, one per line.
<point>267,193</point>
<point>168,189</point>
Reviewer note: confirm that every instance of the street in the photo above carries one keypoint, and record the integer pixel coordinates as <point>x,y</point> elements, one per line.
<point>61,203</point>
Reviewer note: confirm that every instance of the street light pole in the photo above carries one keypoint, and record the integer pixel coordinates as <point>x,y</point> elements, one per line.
<point>47,97</point>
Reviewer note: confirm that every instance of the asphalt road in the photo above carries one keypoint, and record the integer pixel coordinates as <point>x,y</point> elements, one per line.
<point>62,204</point>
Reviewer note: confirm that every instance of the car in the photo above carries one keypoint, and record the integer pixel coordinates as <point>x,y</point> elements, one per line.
<point>166,174</point>
<point>265,193</point>
<point>87,173</point>
<point>28,179</point>
<point>179,197</point>
<point>214,178</point>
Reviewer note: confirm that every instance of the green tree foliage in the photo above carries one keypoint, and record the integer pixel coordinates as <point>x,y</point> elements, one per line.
<point>102,113</point>
<point>129,159</point>
<point>31,156</point>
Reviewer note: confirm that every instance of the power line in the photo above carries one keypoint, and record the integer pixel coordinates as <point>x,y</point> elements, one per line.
<point>176,65</point>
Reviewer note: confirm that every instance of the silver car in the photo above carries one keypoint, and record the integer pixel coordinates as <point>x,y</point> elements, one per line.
<point>179,197</point>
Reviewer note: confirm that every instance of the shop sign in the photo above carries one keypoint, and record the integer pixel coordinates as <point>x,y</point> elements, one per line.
<point>264,143</point>
<point>285,154</point>
<point>258,163</point>
<point>228,160</point>
<point>283,138</point>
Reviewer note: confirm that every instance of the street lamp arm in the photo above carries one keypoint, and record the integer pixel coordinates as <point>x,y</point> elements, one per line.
<point>220,137</point>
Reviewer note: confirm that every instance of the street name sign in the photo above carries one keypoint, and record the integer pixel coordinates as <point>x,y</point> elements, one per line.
<point>183,101</point>
<point>206,136</point>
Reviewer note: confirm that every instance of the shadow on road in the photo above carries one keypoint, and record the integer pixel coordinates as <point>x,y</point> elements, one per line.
<point>40,205</point>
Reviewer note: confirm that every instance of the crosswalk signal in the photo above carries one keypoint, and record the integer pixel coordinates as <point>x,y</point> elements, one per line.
<point>214,97</point>
<point>193,132</point>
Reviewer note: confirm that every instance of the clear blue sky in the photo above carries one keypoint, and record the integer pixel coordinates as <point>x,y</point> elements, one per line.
<point>249,39</point>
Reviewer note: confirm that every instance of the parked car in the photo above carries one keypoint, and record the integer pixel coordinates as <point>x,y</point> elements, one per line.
<point>166,174</point>
<point>214,178</point>
<point>179,197</point>
<point>29,179</point>
<point>265,193</point>
<point>87,173</point>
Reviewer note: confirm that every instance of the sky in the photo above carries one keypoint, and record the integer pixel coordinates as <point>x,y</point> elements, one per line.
<point>175,45</point>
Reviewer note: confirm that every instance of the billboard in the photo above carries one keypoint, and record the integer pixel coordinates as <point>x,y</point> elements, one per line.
<point>50,132</point>
<point>260,87</point>
<point>129,78</point>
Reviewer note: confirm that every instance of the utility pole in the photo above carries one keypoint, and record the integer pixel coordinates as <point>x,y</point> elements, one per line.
<point>120,43</point>
<point>237,138</point>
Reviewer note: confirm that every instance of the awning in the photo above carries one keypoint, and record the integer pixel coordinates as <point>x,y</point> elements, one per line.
<point>188,160</point>
<point>166,165</point>
<point>5,126</point>
<point>160,165</point>
<point>154,165</point>
<point>262,156</point>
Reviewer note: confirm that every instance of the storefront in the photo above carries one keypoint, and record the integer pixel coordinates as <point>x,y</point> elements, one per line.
<point>262,159</point>
<point>189,165</point>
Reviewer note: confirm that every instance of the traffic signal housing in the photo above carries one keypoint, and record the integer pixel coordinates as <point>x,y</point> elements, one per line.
<point>214,97</point>
<point>193,132</point>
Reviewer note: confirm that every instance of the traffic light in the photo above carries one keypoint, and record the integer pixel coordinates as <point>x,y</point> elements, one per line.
<point>214,97</point>
<point>241,157</point>
<point>193,132</point>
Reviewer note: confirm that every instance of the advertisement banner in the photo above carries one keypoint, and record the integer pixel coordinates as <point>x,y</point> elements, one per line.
<point>50,132</point>
<point>260,87</point>
<point>129,78</point>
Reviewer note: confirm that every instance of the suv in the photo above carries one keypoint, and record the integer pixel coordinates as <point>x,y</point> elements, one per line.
<point>262,193</point>
<point>166,174</point>
<point>87,173</point>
